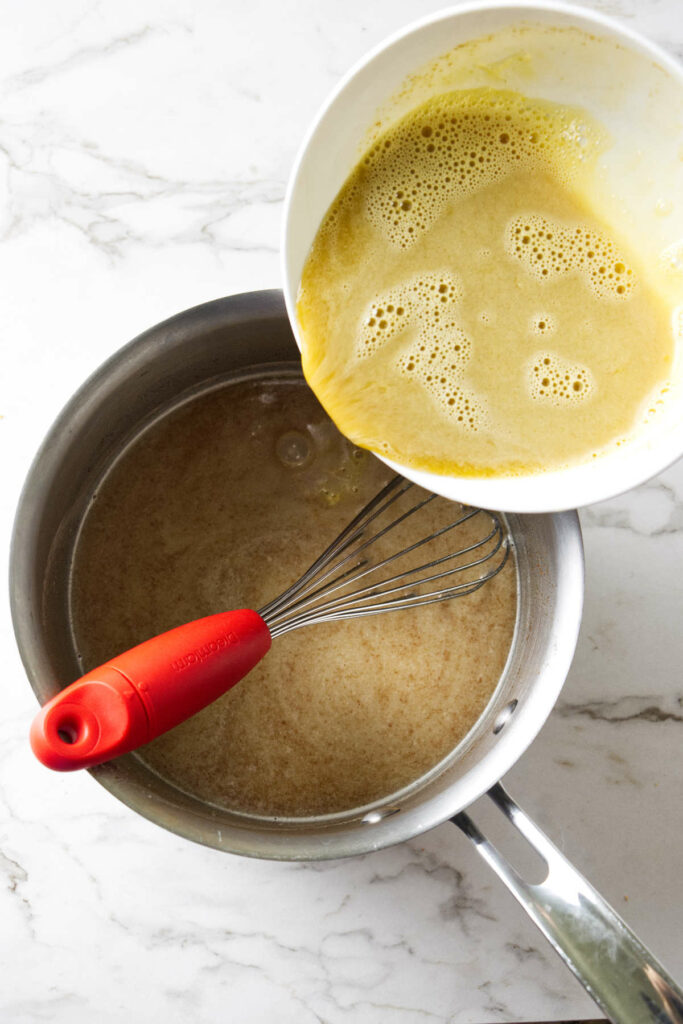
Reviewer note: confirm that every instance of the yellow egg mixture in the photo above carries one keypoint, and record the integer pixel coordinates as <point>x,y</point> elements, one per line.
<point>464,311</point>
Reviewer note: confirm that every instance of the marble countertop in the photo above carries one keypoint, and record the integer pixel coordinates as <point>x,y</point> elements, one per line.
<point>144,150</point>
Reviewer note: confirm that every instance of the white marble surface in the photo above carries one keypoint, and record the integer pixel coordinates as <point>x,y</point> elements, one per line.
<point>144,149</point>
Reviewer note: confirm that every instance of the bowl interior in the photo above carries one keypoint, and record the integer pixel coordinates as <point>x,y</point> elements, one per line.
<point>549,52</point>
<point>190,353</point>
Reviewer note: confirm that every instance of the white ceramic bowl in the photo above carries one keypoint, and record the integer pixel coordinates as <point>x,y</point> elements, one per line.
<point>572,56</point>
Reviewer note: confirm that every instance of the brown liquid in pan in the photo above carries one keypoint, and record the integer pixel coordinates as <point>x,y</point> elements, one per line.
<point>223,504</point>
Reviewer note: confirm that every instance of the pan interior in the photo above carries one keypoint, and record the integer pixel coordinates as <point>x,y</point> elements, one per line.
<point>224,500</point>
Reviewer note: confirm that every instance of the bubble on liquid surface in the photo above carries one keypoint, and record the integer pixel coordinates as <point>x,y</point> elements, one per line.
<point>672,256</point>
<point>549,248</point>
<point>427,305</point>
<point>542,324</point>
<point>553,380</point>
<point>294,449</point>
<point>453,148</point>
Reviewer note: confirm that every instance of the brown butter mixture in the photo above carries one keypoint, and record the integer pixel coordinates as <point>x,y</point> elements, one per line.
<point>223,504</point>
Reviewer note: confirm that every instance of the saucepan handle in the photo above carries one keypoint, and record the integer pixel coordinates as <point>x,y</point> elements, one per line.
<point>611,963</point>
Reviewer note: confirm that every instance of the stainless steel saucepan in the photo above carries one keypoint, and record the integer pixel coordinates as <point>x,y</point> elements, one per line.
<point>245,335</point>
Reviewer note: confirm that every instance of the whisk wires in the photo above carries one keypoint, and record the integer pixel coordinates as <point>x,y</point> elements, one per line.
<point>350,578</point>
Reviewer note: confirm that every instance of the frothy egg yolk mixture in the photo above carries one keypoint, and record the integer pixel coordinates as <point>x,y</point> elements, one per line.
<point>463,310</point>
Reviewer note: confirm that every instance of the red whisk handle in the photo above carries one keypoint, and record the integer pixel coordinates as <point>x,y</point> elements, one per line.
<point>148,690</point>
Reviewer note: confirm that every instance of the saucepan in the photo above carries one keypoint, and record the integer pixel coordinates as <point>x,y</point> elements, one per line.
<point>245,335</point>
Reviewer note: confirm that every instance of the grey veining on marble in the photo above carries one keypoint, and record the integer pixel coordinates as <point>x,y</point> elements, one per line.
<point>144,152</point>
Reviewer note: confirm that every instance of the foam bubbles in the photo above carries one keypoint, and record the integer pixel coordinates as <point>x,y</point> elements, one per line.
<point>542,324</point>
<point>465,242</point>
<point>672,256</point>
<point>438,356</point>
<point>438,360</point>
<point>294,449</point>
<point>549,248</point>
<point>555,381</point>
<point>428,299</point>
<point>455,146</point>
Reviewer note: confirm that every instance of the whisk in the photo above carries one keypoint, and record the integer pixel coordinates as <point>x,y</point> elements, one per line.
<point>151,688</point>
